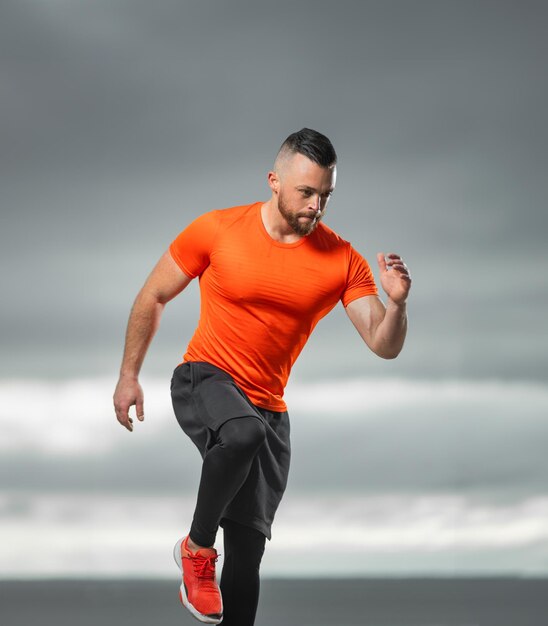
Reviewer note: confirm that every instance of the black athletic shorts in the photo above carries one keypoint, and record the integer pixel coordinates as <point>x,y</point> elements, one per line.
<point>205,397</point>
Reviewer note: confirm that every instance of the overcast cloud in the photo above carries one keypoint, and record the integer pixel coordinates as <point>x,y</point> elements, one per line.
<point>360,436</point>
<point>121,122</point>
<point>425,477</point>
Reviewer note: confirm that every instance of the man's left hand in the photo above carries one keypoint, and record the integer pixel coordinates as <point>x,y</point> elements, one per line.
<point>395,277</point>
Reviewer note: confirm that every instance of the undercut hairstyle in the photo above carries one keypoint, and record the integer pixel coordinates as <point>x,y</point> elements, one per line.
<point>312,145</point>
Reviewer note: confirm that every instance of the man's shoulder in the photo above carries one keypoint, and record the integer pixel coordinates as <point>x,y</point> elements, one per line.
<point>213,222</point>
<point>234,213</point>
<point>328,238</point>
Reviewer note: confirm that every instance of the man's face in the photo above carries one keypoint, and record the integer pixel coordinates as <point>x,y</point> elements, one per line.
<point>304,191</point>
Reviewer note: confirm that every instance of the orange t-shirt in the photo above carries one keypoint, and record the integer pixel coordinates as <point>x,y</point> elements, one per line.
<point>260,298</point>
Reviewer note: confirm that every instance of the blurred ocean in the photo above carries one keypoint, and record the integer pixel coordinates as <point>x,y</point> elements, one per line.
<point>297,602</point>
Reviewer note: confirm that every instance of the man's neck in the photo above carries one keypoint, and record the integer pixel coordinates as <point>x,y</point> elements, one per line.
<point>275,224</point>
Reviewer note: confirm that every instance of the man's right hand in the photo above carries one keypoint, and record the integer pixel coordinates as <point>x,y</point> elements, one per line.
<point>128,393</point>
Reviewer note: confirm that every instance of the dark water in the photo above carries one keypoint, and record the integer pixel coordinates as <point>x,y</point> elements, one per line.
<point>367,602</point>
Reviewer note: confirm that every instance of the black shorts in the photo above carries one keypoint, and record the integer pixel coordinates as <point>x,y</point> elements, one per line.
<point>205,397</point>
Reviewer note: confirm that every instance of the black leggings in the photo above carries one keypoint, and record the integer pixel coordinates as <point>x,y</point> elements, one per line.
<point>244,548</point>
<point>226,466</point>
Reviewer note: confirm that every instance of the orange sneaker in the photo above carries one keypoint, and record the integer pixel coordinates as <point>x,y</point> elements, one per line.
<point>199,591</point>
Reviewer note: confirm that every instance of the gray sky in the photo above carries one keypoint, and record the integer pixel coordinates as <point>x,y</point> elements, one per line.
<point>121,122</point>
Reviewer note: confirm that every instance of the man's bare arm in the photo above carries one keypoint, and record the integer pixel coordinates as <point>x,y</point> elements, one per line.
<point>164,282</point>
<point>384,328</point>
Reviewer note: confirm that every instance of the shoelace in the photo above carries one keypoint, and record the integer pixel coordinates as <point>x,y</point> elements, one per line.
<point>204,566</point>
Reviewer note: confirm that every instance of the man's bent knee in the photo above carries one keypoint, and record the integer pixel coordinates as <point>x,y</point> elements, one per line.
<point>242,435</point>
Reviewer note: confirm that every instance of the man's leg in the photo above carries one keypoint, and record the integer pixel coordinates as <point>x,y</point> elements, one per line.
<point>225,467</point>
<point>244,548</point>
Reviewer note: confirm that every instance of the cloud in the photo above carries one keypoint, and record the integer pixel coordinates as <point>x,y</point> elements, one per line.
<point>465,436</point>
<point>424,476</point>
<point>355,436</point>
<point>123,122</point>
<point>348,397</point>
<point>132,536</point>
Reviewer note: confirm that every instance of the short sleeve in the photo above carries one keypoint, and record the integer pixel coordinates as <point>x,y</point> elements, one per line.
<point>192,247</point>
<point>360,281</point>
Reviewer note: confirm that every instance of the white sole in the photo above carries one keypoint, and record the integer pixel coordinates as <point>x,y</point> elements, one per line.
<point>182,591</point>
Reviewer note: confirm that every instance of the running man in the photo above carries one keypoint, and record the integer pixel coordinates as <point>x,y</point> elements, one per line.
<point>268,272</point>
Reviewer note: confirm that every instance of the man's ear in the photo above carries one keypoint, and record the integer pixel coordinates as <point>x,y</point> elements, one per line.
<point>273,181</point>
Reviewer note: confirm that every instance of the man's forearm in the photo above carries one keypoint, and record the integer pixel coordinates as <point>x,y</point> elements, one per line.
<point>391,332</point>
<point>143,323</point>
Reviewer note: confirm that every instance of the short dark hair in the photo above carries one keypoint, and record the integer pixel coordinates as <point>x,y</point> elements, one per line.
<point>311,144</point>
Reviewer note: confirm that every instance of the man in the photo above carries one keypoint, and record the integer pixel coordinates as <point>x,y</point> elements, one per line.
<point>268,273</point>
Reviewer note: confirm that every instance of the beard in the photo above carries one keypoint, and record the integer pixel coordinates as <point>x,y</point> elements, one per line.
<point>303,228</point>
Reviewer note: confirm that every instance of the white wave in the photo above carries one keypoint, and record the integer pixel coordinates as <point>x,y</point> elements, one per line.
<point>98,535</point>
<point>71,416</point>
<point>76,416</point>
<point>346,397</point>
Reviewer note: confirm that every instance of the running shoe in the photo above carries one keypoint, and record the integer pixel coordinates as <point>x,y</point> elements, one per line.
<point>199,591</point>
